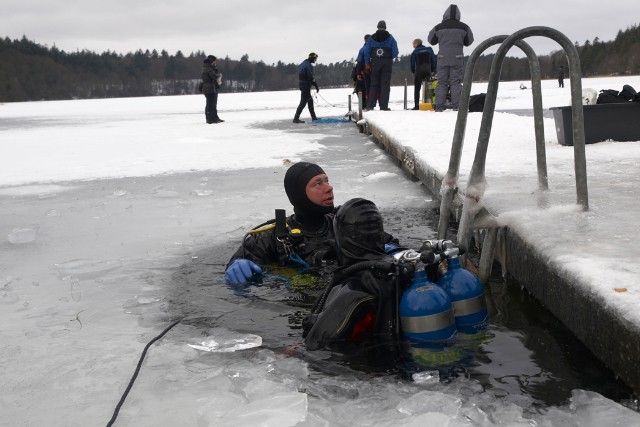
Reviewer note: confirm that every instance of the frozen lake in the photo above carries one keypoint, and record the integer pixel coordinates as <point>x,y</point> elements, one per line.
<point>93,266</point>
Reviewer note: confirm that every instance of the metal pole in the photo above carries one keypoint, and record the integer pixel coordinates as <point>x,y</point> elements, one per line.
<point>405,94</point>
<point>450,180</point>
<point>360,127</point>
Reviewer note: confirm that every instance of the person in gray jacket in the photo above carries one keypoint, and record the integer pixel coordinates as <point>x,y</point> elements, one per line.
<point>452,35</point>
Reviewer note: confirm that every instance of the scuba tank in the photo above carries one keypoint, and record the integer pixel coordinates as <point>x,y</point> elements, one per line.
<point>426,311</point>
<point>466,293</point>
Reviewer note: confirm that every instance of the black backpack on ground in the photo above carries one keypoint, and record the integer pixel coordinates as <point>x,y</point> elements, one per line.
<point>627,93</point>
<point>609,96</point>
<point>476,102</point>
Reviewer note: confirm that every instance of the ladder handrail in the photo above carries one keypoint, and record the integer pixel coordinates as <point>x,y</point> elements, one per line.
<point>477,170</point>
<point>476,184</point>
<point>450,181</point>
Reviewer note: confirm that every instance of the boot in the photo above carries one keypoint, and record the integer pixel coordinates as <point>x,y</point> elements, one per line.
<point>217,119</point>
<point>297,120</point>
<point>209,118</point>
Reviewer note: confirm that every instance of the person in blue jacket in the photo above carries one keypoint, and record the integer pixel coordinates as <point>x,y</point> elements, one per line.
<point>306,80</point>
<point>379,52</point>
<point>423,62</point>
<point>452,35</point>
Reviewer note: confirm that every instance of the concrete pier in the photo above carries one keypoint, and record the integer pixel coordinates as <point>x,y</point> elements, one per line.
<point>605,327</point>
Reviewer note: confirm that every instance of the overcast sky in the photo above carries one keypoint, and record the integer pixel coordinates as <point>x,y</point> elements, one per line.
<point>288,30</point>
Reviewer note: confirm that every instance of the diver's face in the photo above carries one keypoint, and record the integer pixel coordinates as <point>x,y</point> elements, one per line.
<point>319,191</point>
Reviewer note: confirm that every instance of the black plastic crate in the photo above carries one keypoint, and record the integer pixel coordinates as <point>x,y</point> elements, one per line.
<point>602,122</point>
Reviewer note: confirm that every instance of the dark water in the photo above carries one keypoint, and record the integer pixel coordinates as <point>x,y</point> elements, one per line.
<point>526,351</point>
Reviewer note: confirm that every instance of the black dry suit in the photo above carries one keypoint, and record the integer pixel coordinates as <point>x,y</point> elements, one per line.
<point>293,244</point>
<point>361,301</point>
<point>306,235</point>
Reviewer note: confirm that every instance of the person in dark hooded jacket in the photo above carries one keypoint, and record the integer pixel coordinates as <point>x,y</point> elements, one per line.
<point>210,83</point>
<point>308,235</point>
<point>379,52</point>
<point>452,35</point>
<point>361,301</point>
<point>308,231</point>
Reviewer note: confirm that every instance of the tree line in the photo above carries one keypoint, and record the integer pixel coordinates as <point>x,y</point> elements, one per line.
<point>30,71</point>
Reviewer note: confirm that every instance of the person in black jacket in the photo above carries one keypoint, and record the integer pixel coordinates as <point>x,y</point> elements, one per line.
<point>423,62</point>
<point>361,79</point>
<point>305,238</point>
<point>306,80</point>
<point>210,83</point>
<point>307,234</point>
<point>452,35</point>
<point>561,77</point>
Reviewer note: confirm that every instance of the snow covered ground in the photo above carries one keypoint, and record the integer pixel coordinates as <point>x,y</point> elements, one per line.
<point>101,199</point>
<point>599,246</point>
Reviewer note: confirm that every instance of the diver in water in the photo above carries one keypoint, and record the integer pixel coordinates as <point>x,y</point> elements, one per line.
<point>385,306</point>
<point>360,304</point>
<point>302,239</point>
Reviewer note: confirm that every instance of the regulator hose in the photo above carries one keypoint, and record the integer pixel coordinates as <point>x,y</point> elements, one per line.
<point>135,373</point>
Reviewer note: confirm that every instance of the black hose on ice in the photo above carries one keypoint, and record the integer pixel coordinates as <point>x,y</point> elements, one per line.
<point>135,373</point>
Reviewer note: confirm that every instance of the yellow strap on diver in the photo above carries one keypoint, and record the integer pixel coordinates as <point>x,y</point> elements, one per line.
<point>261,229</point>
<point>294,231</point>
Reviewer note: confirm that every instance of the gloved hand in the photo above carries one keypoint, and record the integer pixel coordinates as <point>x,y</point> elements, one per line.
<point>241,270</point>
<point>317,88</point>
<point>367,68</point>
<point>390,247</point>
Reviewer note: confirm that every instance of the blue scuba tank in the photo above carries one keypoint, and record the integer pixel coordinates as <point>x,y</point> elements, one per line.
<point>467,296</point>
<point>426,312</point>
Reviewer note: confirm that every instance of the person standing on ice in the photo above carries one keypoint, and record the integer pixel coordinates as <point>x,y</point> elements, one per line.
<point>379,52</point>
<point>362,80</point>
<point>306,80</point>
<point>423,62</point>
<point>302,239</point>
<point>452,35</point>
<point>210,83</point>
<point>561,77</point>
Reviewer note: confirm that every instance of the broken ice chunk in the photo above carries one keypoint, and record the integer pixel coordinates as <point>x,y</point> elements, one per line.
<point>228,343</point>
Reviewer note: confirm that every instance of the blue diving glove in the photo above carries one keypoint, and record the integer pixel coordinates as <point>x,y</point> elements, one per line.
<point>390,247</point>
<point>241,270</point>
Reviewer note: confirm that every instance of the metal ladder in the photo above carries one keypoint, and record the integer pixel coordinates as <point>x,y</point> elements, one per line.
<point>476,184</point>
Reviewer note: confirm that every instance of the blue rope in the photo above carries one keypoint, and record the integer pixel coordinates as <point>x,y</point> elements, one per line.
<point>298,260</point>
